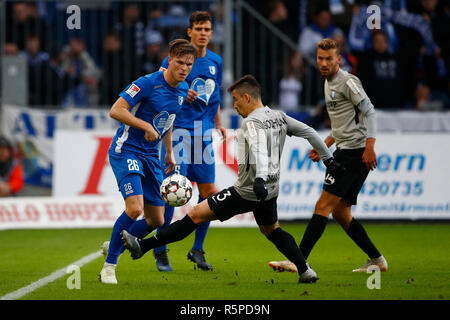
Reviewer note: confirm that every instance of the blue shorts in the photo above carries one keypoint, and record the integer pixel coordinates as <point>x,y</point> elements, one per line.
<point>138,174</point>
<point>196,163</point>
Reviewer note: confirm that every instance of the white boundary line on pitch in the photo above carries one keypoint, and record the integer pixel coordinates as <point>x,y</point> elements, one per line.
<point>50,278</point>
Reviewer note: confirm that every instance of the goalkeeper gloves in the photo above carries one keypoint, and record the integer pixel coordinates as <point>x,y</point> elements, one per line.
<point>259,188</point>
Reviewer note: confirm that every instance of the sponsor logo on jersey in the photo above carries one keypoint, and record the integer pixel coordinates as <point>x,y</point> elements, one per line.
<point>251,129</point>
<point>204,89</point>
<point>352,85</point>
<point>163,121</point>
<point>332,103</point>
<point>133,90</point>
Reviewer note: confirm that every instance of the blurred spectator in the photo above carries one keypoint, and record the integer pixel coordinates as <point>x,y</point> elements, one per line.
<point>132,33</point>
<point>359,37</point>
<point>435,67</point>
<point>24,20</point>
<point>37,67</point>
<point>11,49</point>
<point>11,171</point>
<point>57,79</point>
<point>381,74</point>
<point>83,73</point>
<point>291,85</point>
<point>316,31</point>
<point>153,58</point>
<point>429,100</point>
<point>349,62</point>
<point>113,80</point>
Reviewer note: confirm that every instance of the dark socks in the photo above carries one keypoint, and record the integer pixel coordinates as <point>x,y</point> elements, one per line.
<point>174,232</point>
<point>313,232</point>
<point>286,244</point>
<point>359,236</point>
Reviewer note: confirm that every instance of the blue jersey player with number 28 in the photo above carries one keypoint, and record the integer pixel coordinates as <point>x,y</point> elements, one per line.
<point>193,131</point>
<point>146,109</point>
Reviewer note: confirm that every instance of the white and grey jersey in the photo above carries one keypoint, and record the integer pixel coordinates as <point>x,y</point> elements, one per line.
<point>351,113</point>
<point>261,140</point>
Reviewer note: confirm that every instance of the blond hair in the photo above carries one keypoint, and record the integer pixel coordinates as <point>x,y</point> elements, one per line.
<point>327,44</point>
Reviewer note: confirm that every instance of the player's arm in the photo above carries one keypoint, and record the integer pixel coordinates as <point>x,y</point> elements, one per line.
<point>258,155</point>
<point>299,129</point>
<point>169,159</point>
<point>369,156</point>
<point>120,111</point>
<point>219,127</point>
<point>359,98</point>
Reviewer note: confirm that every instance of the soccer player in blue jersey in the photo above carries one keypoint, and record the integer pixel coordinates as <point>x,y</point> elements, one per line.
<point>199,118</point>
<point>146,109</point>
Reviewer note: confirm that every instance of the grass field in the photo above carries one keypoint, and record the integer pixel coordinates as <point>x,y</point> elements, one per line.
<point>417,255</point>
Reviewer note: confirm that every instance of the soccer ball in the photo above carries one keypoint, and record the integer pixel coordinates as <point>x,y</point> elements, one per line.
<point>176,190</point>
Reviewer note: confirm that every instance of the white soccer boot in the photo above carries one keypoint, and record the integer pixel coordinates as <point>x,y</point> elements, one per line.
<point>284,265</point>
<point>379,262</point>
<point>108,274</point>
<point>309,276</point>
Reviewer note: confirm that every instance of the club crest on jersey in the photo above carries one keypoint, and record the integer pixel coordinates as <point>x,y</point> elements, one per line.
<point>133,90</point>
<point>180,100</point>
<point>212,70</point>
<point>332,103</point>
<point>204,89</point>
<point>163,121</point>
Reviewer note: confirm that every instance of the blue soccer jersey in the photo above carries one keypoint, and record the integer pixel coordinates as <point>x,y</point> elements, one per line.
<point>206,79</point>
<point>153,100</point>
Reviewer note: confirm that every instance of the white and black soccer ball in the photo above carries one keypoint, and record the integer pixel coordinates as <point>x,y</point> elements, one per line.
<point>176,190</point>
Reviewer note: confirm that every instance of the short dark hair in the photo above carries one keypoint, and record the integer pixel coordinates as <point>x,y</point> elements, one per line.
<point>247,84</point>
<point>199,16</point>
<point>327,44</point>
<point>181,47</point>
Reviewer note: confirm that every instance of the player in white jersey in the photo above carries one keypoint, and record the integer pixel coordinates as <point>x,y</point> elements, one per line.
<point>260,145</point>
<point>353,128</point>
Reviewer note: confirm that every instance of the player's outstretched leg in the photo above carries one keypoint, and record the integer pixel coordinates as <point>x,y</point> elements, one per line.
<point>174,232</point>
<point>160,253</point>
<point>139,229</point>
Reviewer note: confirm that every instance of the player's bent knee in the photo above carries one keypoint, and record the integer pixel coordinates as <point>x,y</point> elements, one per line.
<point>201,213</point>
<point>134,211</point>
<point>267,230</point>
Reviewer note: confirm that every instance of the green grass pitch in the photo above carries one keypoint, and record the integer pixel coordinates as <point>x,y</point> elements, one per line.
<point>417,254</point>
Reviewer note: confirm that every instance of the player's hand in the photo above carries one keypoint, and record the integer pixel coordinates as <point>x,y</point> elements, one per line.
<point>333,167</point>
<point>259,188</point>
<point>223,133</point>
<point>151,134</point>
<point>314,155</point>
<point>369,158</point>
<point>169,163</point>
<point>191,96</point>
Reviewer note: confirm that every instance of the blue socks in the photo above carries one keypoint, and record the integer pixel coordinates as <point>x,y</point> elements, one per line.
<point>168,215</point>
<point>138,228</point>
<point>200,233</point>
<point>116,245</point>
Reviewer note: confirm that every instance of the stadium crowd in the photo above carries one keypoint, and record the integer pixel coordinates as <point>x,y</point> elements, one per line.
<point>404,65</point>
